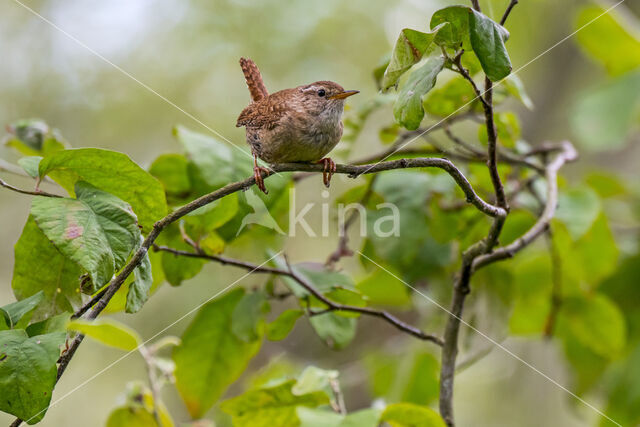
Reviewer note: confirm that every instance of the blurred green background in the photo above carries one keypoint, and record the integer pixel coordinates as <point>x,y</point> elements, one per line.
<point>188,52</point>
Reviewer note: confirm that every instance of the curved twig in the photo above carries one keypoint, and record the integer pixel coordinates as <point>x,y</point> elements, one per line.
<point>331,305</point>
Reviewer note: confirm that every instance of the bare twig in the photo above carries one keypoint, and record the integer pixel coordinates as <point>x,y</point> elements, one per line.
<point>482,254</point>
<point>331,305</point>
<point>556,281</point>
<point>153,381</point>
<point>30,193</point>
<point>400,142</point>
<point>340,406</point>
<point>568,155</point>
<point>457,61</point>
<point>343,243</point>
<point>492,143</point>
<point>508,11</point>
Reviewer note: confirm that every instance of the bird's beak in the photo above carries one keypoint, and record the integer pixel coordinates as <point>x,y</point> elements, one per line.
<point>343,95</point>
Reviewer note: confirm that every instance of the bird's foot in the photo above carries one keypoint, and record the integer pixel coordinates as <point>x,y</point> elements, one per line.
<point>257,174</point>
<point>329,168</point>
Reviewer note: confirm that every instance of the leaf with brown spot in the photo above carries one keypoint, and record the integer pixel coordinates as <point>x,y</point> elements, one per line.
<point>97,230</point>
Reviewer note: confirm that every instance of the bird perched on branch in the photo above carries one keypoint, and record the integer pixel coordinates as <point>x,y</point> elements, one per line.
<point>301,124</point>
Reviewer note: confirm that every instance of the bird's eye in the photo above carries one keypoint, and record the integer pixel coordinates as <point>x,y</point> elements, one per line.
<point>321,92</point>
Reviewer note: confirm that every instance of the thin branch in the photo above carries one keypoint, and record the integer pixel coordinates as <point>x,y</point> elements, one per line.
<point>340,406</point>
<point>356,170</point>
<point>343,243</point>
<point>407,136</point>
<point>568,155</point>
<point>556,280</point>
<point>482,254</point>
<point>457,61</point>
<point>254,268</point>
<point>503,155</point>
<point>508,11</point>
<point>153,381</point>
<point>492,143</point>
<point>82,310</point>
<point>30,193</point>
<point>290,272</point>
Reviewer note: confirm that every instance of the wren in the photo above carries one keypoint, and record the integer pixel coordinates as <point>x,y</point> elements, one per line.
<point>293,125</point>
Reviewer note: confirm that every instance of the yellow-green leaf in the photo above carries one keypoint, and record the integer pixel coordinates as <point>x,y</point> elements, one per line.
<point>108,332</point>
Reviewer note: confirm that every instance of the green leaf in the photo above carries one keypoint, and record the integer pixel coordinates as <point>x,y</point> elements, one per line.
<point>172,170</point>
<point>247,321</point>
<point>532,278</point>
<point>507,127</point>
<point>14,312</point>
<point>214,215</point>
<point>610,38</point>
<point>623,391</point>
<point>108,332</point>
<point>456,33</point>
<point>422,382</point>
<point>56,323</point>
<point>381,288</point>
<point>39,266</point>
<point>310,417</point>
<point>595,254</point>
<point>411,249</point>
<point>487,40</point>
<point>131,416</point>
<point>97,230</point>
<point>283,325</point>
<point>604,115</point>
<point>410,415</point>
<point>138,407</point>
<point>596,322</point>
<point>274,406</point>
<point>335,330</point>
<point>515,88</point>
<point>617,288</point>
<point>215,162</point>
<point>177,268</point>
<point>314,379</point>
<point>407,109</point>
<point>28,372</point>
<point>606,184</point>
<point>517,223</point>
<point>587,367</point>
<point>211,357</point>
<point>33,137</point>
<point>113,173</point>
<point>119,301</point>
<point>448,99</point>
<point>409,49</point>
<point>30,165</point>
<point>346,297</point>
<point>578,208</point>
<point>140,287</point>
<point>382,372</point>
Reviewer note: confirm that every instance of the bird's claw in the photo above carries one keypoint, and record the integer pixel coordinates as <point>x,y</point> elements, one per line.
<point>257,174</point>
<point>329,168</point>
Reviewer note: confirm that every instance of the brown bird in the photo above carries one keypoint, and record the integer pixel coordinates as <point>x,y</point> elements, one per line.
<point>293,125</point>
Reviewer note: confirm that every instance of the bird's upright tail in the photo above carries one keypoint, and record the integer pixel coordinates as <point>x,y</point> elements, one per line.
<point>254,79</point>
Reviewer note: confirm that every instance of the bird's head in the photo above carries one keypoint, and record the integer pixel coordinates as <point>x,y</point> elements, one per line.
<point>324,96</point>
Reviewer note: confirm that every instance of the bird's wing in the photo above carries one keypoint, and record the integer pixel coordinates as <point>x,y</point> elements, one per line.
<point>266,113</point>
